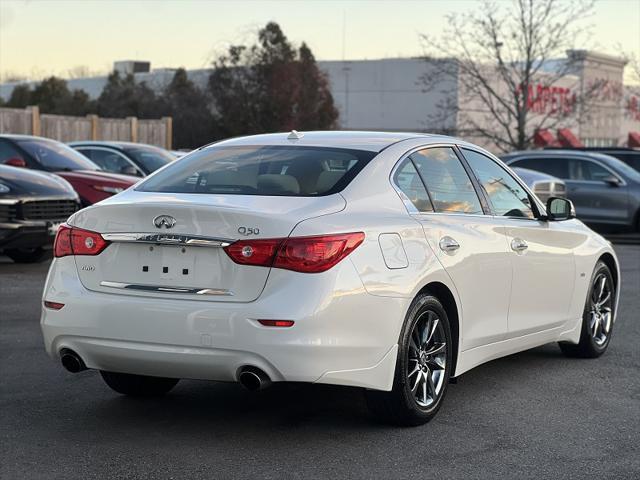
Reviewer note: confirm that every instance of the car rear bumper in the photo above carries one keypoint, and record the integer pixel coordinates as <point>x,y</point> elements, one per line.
<point>342,335</point>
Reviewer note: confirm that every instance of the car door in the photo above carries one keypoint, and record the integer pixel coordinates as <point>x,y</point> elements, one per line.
<point>596,196</point>
<point>541,252</point>
<point>469,244</point>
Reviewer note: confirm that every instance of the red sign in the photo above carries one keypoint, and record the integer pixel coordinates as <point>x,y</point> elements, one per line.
<point>550,100</point>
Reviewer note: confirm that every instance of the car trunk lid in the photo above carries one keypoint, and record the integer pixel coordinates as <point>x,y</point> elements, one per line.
<point>170,246</point>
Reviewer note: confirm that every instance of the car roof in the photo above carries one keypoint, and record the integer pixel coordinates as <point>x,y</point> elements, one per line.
<point>119,145</point>
<point>358,140</point>
<point>16,136</point>
<point>563,152</point>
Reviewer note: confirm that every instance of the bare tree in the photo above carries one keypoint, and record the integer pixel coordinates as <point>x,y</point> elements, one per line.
<point>510,70</point>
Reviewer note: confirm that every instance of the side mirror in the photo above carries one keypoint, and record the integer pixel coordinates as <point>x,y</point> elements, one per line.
<point>16,162</point>
<point>560,209</point>
<point>612,181</point>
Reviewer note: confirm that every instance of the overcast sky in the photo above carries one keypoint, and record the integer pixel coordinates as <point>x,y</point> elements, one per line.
<point>44,37</point>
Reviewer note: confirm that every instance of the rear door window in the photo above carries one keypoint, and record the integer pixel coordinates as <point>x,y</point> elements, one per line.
<point>449,186</point>
<point>261,170</point>
<point>408,181</point>
<point>110,161</point>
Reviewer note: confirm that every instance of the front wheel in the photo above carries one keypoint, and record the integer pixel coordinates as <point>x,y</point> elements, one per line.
<point>597,318</point>
<point>138,385</point>
<point>422,369</point>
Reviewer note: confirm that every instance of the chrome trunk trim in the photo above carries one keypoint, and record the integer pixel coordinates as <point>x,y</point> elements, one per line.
<point>165,289</point>
<point>168,239</point>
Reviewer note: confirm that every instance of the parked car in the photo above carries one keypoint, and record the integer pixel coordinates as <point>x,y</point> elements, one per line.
<point>39,153</point>
<point>124,157</point>
<point>604,190</point>
<point>32,207</point>
<point>387,261</point>
<point>630,156</point>
<point>543,185</point>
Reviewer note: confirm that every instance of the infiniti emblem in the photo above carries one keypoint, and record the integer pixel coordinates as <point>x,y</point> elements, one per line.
<point>164,221</point>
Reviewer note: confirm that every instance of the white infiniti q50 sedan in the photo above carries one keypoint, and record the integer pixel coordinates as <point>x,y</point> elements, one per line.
<point>389,261</point>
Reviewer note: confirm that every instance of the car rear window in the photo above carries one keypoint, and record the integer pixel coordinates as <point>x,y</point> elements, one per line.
<point>261,170</point>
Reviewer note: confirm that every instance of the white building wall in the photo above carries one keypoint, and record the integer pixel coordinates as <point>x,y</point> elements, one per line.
<point>385,94</point>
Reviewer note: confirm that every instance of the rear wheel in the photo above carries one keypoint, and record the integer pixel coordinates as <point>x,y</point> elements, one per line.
<point>26,255</point>
<point>597,318</point>
<point>422,369</point>
<point>138,385</point>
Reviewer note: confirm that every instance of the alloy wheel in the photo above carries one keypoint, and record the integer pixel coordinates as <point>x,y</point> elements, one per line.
<point>427,359</point>
<point>600,316</point>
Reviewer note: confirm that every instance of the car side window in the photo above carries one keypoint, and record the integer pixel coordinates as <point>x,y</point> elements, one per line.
<point>586,170</point>
<point>108,161</point>
<point>506,195</point>
<point>557,167</point>
<point>447,182</point>
<point>408,180</point>
<point>8,151</point>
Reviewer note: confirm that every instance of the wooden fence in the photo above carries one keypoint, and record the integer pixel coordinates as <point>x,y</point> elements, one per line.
<point>30,121</point>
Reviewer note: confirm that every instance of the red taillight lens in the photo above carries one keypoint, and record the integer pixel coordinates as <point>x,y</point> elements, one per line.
<point>62,243</point>
<point>254,252</point>
<point>300,254</point>
<point>277,323</point>
<point>76,241</point>
<point>53,305</point>
<point>316,254</point>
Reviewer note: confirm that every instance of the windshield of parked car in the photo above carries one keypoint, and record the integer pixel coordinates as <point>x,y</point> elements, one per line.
<point>261,170</point>
<point>55,156</point>
<point>150,158</point>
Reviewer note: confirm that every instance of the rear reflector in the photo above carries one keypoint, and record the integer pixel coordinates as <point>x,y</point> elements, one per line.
<point>53,305</point>
<point>276,323</point>
<point>301,254</point>
<point>77,241</point>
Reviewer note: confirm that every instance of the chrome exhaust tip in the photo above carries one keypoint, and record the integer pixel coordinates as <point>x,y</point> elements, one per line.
<point>71,361</point>
<point>253,379</point>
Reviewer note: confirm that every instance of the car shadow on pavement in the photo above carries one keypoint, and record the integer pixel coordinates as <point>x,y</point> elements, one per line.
<point>228,407</point>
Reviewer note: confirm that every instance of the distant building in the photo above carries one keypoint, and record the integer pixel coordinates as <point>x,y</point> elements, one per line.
<point>388,94</point>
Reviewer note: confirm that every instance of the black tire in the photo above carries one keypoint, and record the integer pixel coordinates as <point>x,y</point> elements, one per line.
<point>26,255</point>
<point>401,406</point>
<point>138,385</point>
<point>592,345</point>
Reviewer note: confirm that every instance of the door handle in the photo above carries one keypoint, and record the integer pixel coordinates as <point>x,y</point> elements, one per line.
<point>518,245</point>
<point>448,244</point>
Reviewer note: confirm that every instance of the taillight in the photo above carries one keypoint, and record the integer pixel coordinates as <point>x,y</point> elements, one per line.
<point>254,252</point>
<point>301,254</point>
<point>76,241</point>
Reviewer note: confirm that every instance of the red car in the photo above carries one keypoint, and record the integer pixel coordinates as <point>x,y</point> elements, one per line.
<point>39,153</point>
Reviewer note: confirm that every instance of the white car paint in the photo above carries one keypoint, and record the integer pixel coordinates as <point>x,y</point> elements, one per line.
<point>347,319</point>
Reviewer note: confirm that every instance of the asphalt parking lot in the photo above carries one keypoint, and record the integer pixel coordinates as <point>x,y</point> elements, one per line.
<point>531,415</point>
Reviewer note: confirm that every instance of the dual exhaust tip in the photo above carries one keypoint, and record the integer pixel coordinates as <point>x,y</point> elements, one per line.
<point>251,378</point>
<point>71,361</point>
